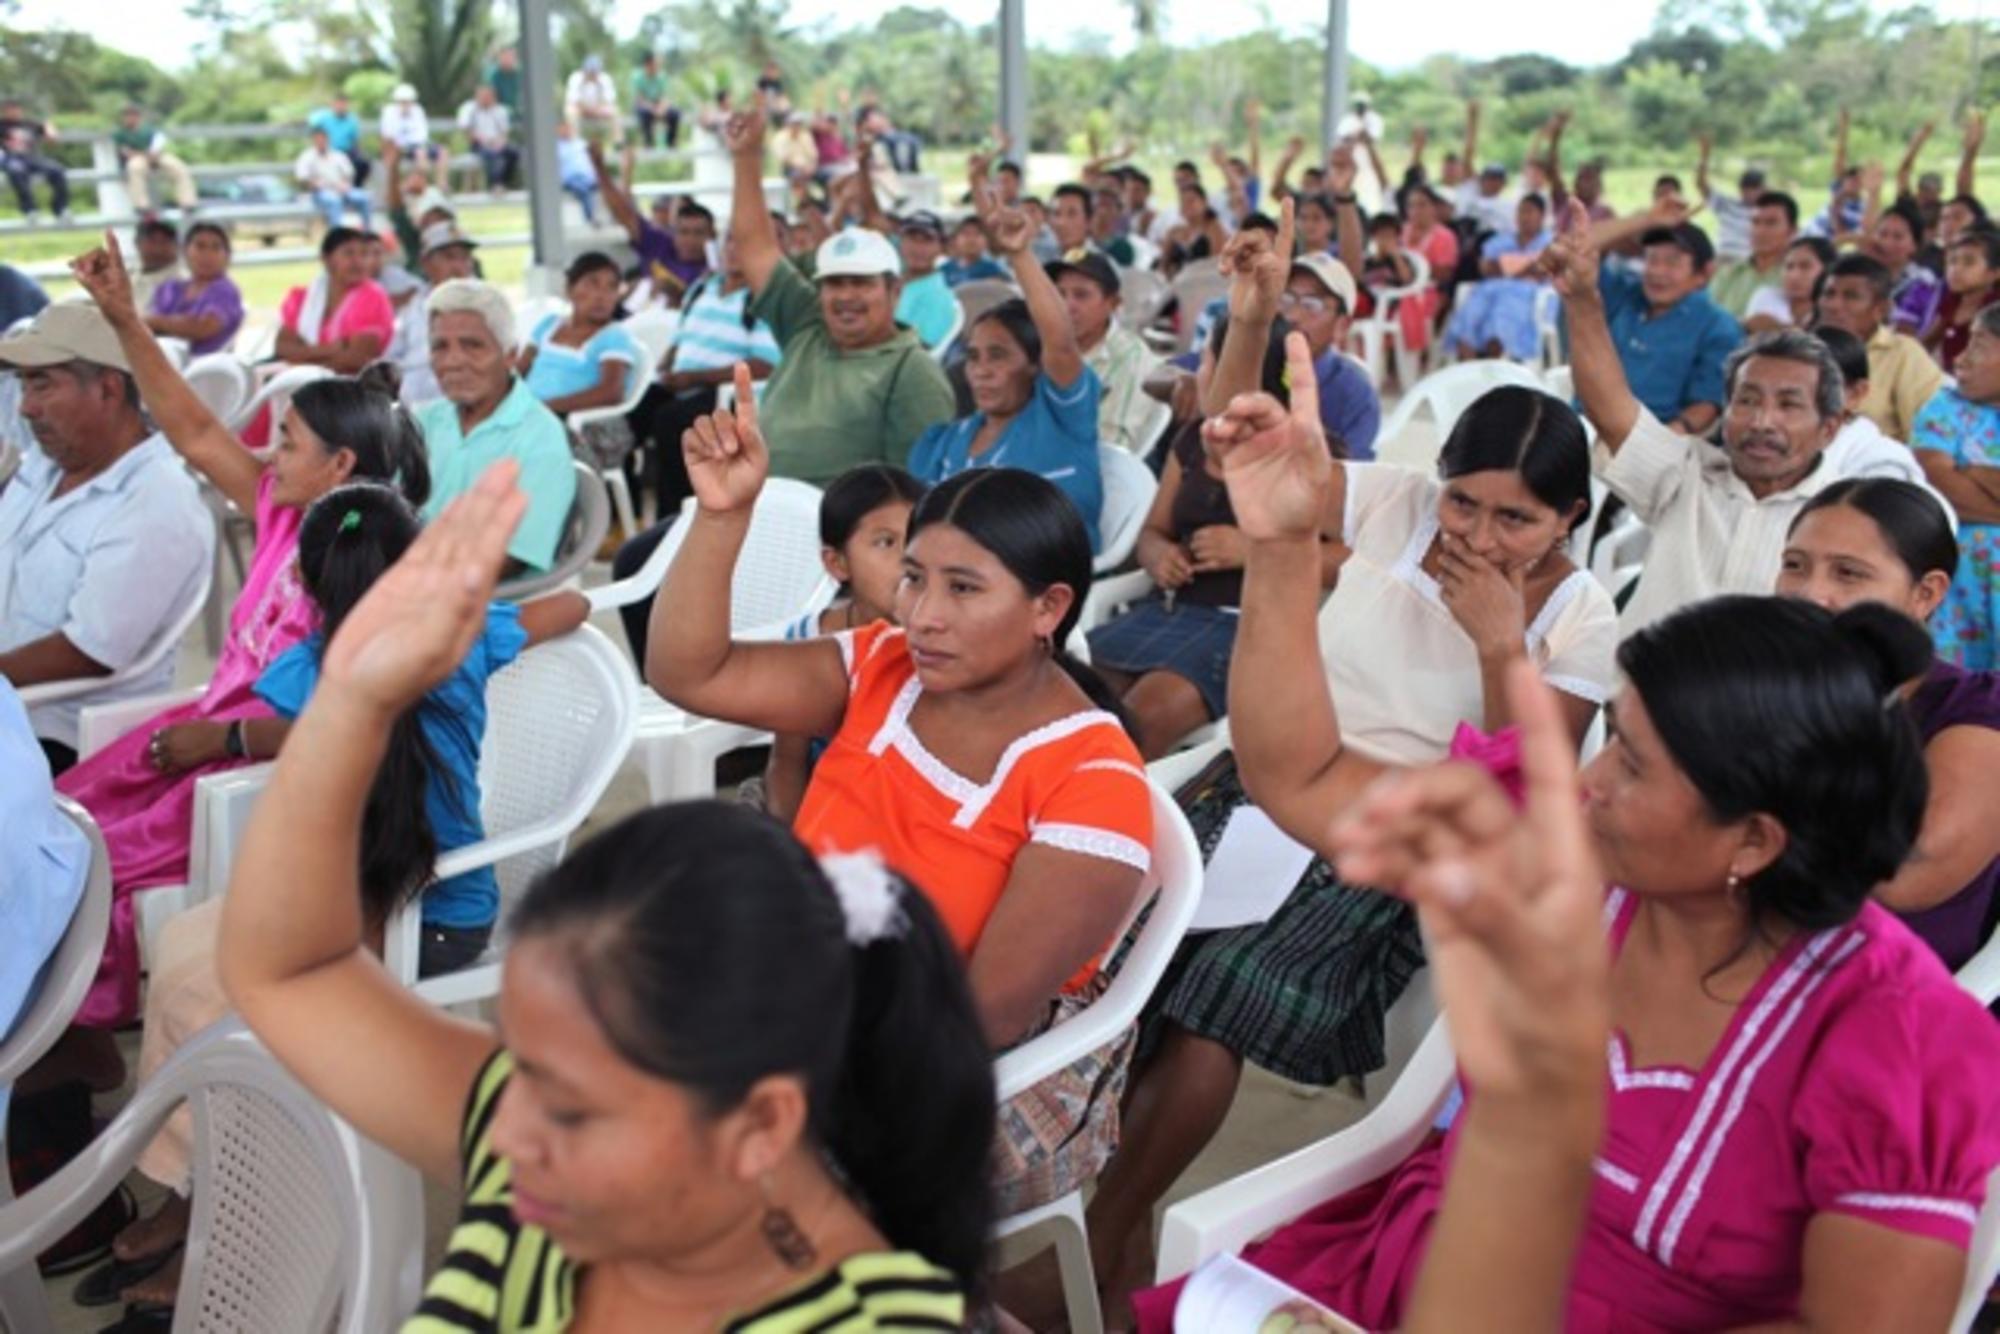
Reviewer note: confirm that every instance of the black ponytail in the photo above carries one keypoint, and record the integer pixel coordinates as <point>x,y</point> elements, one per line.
<point>1034,530</point>
<point>713,951</point>
<point>360,414</point>
<point>349,538</point>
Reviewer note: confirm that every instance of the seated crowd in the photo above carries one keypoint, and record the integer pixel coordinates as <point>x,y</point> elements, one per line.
<point>1669,846</point>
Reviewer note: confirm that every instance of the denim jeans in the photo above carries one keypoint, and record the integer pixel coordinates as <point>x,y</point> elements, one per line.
<point>499,164</point>
<point>446,949</point>
<point>333,203</point>
<point>21,170</point>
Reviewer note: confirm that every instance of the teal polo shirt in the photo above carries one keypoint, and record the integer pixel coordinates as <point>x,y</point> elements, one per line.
<point>520,429</point>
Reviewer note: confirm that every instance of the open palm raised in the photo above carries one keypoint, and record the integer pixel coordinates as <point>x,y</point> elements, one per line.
<point>1274,459</point>
<point>726,458</point>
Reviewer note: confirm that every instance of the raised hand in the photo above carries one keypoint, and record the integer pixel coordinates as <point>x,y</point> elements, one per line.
<point>1510,903</point>
<point>1295,146</point>
<point>1571,260</point>
<point>726,458</point>
<point>1258,265</point>
<point>1341,170</point>
<point>1871,178</point>
<point>413,628</point>
<point>1011,229</point>
<point>743,132</point>
<point>102,273</point>
<point>1274,459</point>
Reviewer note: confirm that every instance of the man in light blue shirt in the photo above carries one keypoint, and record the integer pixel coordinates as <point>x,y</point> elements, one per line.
<point>343,134</point>
<point>44,862</point>
<point>487,414</point>
<point>926,304</point>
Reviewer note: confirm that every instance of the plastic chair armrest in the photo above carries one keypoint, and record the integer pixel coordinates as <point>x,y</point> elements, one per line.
<point>101,724</point>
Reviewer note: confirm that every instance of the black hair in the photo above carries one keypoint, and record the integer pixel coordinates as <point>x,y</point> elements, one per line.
<point>1516,429</point>
<point>361,415</point>
<point>589,262</point>
<point>1271,375</point>
<point>859,492</point>
<point>1776,705</point>
<point>1384,222</point>
<point>336,237</point>
<point>1971,204</point>
<point>156,226</point>
<point>713,952</point>
<point>1849,353</point>
<point>215,229</point>
<point>1012,315</point>
<point>1868,268</point>
<point>1009,165</point>
<point>1669,180</point>
<point>1985,240</point>
<point>1540,203</point>
<point>1315,199</point>
<point>1780,200</point>
<point>1134,174</point>
<point>1187,165</point>
<point>1071,190</point>
<point>1034,530</point>
<point>349,538</point>
<point>1821,247</point>
<point>1912,216</point>
<point>1259,222</point>
<point>1908,516</point>
<point>690,209</point>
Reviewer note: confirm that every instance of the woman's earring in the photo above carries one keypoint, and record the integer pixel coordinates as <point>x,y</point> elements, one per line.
<point>1734,888</point>
<point>783,1234</point>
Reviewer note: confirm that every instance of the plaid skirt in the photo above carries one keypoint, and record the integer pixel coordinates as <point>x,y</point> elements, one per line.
<point>1305,994</point>
<point>1193,641</point>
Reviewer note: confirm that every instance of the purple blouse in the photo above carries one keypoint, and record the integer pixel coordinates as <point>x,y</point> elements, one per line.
<point>1953,697</point>
<point>177,296</point>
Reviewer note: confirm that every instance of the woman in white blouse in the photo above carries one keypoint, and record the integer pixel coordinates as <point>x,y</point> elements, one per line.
<point>1451,578</point>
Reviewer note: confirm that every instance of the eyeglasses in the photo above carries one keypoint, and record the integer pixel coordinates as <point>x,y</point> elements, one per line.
<point>1311,305</point>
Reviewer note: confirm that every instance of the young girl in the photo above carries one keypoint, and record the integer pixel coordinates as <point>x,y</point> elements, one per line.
<point>424,802</point>
<point>1972,280</point>
<point>862,519</point>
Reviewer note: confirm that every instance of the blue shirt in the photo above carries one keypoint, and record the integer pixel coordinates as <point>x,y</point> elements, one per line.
<point>521,429</point>
<point>44,861</point>
<point>453,719</point>
<point>1672,360</point>
<point>928,306</point>
<point>955,272</point>
<point>1348,407</point>
<point>1054,437</point>
<point>343,133</point>
<point>559,371</point>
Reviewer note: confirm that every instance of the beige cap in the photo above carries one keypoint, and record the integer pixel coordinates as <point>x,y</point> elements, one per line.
<point>1331,274</point>
<point>65,331</point>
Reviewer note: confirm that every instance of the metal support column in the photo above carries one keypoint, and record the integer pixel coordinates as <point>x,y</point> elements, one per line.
<point>1335,74</point>
<point>1014,77</point>
<point>538,144</point>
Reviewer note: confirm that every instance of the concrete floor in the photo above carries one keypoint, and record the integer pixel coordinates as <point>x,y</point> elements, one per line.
<point>1269,1118</point>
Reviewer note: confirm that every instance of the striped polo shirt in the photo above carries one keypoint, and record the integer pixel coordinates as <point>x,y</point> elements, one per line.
<point>711,334</point>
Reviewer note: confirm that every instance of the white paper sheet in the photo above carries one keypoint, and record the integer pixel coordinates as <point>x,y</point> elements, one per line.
<point>1227,1296</point>
<point>1254,868</point>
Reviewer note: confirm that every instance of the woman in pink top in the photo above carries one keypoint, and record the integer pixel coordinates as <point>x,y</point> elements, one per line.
<point>140,788</point>
<point>341,320</point>
<point>1438,244</point>
<point>1799,1120</point>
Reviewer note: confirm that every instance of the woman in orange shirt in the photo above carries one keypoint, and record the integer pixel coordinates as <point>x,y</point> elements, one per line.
<point>968,750</point>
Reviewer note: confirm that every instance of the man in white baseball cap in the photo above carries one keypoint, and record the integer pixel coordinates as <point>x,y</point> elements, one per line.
<point>1319,302</point>
<point>104,540</point>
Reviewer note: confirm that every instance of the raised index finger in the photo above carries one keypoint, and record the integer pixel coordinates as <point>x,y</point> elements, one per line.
<point>1304,380</point>
<point>1548,764</point>
<point>1286,212</point>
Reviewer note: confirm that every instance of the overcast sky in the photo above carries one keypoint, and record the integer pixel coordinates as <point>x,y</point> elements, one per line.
<point>1379,33</point>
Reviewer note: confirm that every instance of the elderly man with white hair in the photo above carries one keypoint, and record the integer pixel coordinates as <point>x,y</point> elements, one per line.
<point>488,413</point>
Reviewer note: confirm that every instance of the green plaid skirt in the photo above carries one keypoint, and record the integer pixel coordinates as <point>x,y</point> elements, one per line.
<point>1305,994</point>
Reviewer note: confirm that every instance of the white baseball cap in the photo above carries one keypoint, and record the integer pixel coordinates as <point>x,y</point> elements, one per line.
<point>1331,274</point>
<point>405,92</point>
<point>857,253</point>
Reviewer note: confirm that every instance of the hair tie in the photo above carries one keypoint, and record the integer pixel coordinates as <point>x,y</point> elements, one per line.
<point>349,521</point>
<point>868,896</point>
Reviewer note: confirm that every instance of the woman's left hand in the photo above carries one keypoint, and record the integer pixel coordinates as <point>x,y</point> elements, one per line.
<point>187,746</point>
<point>1484,598</point>
<point>1220,546</point>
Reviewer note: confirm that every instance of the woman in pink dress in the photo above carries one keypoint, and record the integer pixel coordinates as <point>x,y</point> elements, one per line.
<point>341,320</point>
<point>1423,234</point>
<point>140,788</point>
<point>1799,1122</point>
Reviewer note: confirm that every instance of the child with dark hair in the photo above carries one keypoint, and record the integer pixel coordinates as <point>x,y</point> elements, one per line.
<point>1972,283</point>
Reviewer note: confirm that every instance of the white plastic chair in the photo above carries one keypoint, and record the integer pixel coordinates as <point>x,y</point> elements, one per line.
<point>295,1215</point>
<point>1173,886</point>
<point>779,577</point>
<point>532,311</point>
<point>1229,1216</point>
<point>1383,330</point>
<point>1142,295</point>
<point>221,382</point>
<point>1548,328</point>
<point>1448,392</point>
<point>1198,284</point>
<point>275,393</point>
<point>980,295</point>
<point>654,331</point>
<point>163,647</point>
<point>583,533</point>
<point>1129,487</point>
<point>943,346</point>
<point>1620,554</point>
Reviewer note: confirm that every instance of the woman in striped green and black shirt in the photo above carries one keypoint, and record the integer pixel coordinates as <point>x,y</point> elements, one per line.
<point>730,1089</point>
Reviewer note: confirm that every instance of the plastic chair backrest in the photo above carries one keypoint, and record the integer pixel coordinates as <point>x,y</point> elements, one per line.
<point>943,345</point>
<point>1194,289</point>
<point>532,311</point>
<point>980,295</point>
<point>654,328</point>
<point>221,382</point>
<point>583,532</point>
<point>1129,487</point>
<point>67,976</point>
<point>1172,886</point>
<point>1142,295</point>
<point>559,720</point>
<point>1450,391</point>
<point>164,646</point>
<point>295,1215</point>
<point>275,391</point>
<point>778,573</point>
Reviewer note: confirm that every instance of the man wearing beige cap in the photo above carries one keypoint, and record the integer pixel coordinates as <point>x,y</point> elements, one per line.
<point>103,536</point>
<point>1318,301</point>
